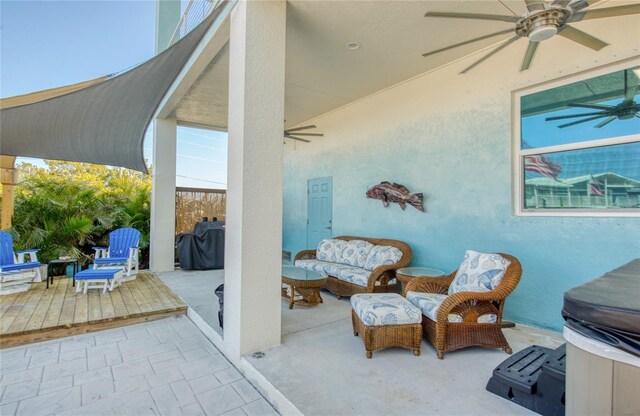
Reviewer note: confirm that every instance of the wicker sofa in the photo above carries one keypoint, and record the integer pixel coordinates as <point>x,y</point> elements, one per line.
<point>357,264</point>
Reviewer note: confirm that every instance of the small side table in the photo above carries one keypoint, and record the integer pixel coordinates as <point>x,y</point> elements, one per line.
<point>58,263</point>
<point>304,282</point>
<point>405,274</point>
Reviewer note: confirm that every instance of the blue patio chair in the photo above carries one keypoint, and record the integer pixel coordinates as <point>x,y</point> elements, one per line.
<point>122,251</point>
<point>12,264</point>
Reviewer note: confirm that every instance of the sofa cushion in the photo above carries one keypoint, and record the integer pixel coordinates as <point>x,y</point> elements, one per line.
<point>429,304</point>
<point>322,267</point>
<point>356,252</point>
<point>385,309</point>
<point>331,250</point>
<point>479,272</point>
<point>355,275</point>
<point>382,255</point>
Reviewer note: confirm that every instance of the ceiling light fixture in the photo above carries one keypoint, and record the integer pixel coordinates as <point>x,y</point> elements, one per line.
<point>353,46</point>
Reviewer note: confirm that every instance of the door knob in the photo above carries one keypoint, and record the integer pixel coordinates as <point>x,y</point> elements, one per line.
<point>327,228</point>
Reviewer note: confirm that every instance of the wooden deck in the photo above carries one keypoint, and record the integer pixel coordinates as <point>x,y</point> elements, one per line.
<point>41,314</point>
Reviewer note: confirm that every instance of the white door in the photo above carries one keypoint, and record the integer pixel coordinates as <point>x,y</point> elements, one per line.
<point>319,210</point>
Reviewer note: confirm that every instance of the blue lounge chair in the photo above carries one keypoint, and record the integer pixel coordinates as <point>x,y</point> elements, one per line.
<point>15,272</point>
<point>122,252</point>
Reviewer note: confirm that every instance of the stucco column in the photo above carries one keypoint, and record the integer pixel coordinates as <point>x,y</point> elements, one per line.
<point>167,18</point>
<point>8,178</point>
<point>163,196</point>
<point>253,251</point>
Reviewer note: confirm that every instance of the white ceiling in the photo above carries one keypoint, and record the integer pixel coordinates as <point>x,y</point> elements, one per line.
<point>322,74</point>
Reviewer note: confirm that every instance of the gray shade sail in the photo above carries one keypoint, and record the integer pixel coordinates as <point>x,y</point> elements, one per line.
<point>100,121</point>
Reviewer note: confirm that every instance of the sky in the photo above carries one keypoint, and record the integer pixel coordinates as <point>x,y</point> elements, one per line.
<point>48,44</point>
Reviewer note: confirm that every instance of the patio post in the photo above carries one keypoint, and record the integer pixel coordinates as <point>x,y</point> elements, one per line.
<point>253,251</point>
<point>163,196</point>
<point>8,179</point>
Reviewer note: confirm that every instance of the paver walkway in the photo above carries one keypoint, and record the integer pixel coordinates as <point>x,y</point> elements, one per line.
<point>164,367</point>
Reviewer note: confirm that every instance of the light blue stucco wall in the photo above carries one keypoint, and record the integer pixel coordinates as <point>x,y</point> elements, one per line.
<point>461,160</point>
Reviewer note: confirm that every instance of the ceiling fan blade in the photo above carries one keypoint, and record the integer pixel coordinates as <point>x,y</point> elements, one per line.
<point>560,3</point>
<point>579,122</point>
<point>630,93</point>
<point>606,12</point>
<point>310,134</point>
<point>583,38</point>
<point>528,56</point>
<point>311,126</point>
<point>466,42</point>
<point>497,17</point>
<point>603,113</point>
<point>582,4</point>
<point>607,121</point>
<point>596,106</point>
<point>534,5</point>
<point>298,138</point>
<point>490,54</point>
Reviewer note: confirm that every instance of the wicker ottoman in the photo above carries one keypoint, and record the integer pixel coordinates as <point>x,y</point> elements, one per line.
<point>386,320</point>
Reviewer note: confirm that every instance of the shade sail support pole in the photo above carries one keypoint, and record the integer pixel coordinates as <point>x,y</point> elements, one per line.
<point>8,178</point>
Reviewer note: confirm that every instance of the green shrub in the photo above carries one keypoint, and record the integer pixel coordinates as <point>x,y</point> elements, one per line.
<point>68,207</point>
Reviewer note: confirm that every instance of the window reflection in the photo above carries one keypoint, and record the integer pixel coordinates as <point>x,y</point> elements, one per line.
<point>596,108</point>
<point>596,178</point>
<point>586,175</point>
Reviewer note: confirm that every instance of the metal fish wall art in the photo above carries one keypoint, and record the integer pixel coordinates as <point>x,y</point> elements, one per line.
<point>394,192</point>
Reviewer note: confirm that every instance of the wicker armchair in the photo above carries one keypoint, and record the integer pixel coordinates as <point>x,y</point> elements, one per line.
<point>450,336</point>
<point>380,276</point>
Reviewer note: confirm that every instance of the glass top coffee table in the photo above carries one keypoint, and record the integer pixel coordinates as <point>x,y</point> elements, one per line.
<point>304,283</point>
<point>405,274</point>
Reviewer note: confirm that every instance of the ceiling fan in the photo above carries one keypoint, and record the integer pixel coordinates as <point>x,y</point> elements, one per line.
<point>541,22</point>
<point>626,110</point>
<point>294,133</point>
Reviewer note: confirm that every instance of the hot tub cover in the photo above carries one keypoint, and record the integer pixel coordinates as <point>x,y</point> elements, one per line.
<point>608,308</point>
<point>99,121</point>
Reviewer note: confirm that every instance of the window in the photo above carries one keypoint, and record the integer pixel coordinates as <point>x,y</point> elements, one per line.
<point>577,146</point>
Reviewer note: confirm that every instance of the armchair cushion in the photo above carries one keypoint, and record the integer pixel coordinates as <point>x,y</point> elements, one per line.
<point>429,304</point>
<point>356,252</point>
<point>111,260</point>
<point>331,250</point>
<point>382,255</point>
<point>384,309</point>
<point>322,267</point>
<point>479,272</point>
<point>19,266</point>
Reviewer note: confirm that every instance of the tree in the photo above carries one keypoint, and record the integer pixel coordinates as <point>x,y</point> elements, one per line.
<point>66,208</point>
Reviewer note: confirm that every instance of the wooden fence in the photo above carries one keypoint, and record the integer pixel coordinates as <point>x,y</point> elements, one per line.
<point>194,203</point>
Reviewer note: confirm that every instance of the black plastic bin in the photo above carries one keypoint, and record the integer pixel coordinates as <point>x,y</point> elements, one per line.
<point>533,378</point>
<point>220,295</point>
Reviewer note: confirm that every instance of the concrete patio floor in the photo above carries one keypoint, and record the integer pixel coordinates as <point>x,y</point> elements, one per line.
<point>196,288</point>
<point>321,368</point>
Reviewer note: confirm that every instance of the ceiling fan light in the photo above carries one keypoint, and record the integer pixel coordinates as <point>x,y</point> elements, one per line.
<point>542,33</point>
